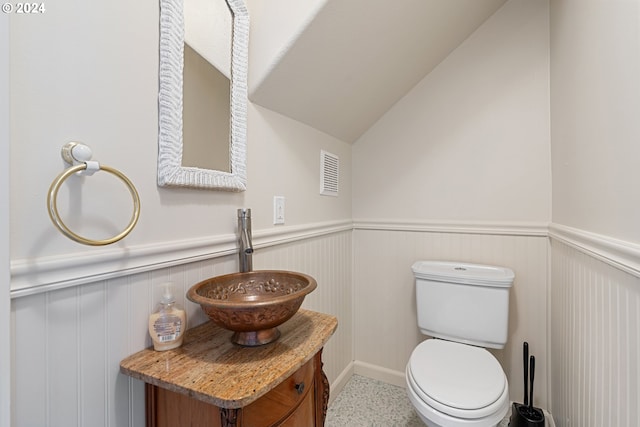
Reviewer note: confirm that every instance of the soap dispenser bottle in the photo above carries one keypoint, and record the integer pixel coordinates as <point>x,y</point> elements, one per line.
<point>167,323</point>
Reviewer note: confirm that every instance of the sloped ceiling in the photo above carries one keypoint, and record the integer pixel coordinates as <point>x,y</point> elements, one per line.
<point>355,58</point>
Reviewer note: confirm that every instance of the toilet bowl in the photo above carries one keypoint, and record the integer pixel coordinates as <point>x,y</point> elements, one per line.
<point>452,384</point>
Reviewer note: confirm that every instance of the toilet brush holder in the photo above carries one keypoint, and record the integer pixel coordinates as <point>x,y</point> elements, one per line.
<point>526,416</point>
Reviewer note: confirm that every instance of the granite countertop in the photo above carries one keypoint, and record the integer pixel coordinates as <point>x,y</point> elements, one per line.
<point>210,368</point>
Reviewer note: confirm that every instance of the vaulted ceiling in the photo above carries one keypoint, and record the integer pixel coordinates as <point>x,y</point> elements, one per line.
<point>348,61</point>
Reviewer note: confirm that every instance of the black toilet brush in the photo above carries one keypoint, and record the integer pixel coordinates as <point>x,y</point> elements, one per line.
<point>525,414</point>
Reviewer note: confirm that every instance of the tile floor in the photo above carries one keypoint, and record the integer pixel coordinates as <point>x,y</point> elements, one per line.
<point>364,402</point>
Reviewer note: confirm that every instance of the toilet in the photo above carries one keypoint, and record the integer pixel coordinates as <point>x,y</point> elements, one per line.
<point>452,379</point>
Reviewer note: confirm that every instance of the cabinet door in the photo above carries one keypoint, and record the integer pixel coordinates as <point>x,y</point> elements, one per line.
<point>304,415</point>
<point>299,401</point>
<point>279,403</point>
<point>166,408</point>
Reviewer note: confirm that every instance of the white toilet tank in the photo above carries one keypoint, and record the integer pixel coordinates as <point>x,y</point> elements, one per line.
<point>462,302</point>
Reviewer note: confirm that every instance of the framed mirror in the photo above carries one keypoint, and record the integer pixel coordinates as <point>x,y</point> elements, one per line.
<point>172,170</point>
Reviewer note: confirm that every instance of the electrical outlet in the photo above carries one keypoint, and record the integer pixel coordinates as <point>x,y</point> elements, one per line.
<point>278,209</point>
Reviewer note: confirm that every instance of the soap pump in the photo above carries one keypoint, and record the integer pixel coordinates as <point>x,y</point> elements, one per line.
<point>168,322</point>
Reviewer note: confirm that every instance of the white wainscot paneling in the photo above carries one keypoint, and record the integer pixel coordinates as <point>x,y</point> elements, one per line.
<point>328,259</point>
<point>386,328</point>
<point>595,339</point>
<point>68,343</point>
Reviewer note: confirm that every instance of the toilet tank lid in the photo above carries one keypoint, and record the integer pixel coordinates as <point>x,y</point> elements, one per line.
<point>463,273</point>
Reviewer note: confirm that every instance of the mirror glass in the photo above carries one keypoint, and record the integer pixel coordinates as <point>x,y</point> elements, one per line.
<point>205,114</point>
<point>203,94</point>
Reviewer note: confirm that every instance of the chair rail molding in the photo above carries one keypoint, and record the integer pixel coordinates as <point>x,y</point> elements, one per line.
<point>615,252</point>
<point>33,276</point>
<point>539,229</point>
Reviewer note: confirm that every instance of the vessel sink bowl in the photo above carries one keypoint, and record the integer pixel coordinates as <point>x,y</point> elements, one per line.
<point>252,304</point>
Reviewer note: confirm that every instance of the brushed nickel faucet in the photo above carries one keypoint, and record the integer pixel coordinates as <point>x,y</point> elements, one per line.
<point>244,239</point>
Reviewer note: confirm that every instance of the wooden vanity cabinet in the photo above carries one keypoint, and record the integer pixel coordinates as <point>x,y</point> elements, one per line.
<point>211,382</point>
<point>299,401</point>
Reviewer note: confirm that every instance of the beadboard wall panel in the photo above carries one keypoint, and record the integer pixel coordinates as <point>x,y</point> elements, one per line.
<point>69,342</point>
<point>595,341</point>
<point>386,330</point>
<point>328,260</point>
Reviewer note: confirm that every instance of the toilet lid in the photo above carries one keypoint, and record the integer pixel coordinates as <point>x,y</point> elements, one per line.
<point>457,375</point>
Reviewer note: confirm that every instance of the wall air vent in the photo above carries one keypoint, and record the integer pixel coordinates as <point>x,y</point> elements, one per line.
<point>329,172</point>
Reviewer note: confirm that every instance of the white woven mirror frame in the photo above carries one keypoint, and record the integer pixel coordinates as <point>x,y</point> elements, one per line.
<point>170,169</point>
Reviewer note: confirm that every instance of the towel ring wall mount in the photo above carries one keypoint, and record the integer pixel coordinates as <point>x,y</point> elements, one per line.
<point>74,152</point>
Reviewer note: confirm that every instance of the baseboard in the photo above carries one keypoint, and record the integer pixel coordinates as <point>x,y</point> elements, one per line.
<point>379,373</point>
<point>549,419</point>
<point>338,384</point>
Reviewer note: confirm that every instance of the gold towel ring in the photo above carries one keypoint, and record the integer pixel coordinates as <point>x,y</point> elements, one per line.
<point>57,221</point>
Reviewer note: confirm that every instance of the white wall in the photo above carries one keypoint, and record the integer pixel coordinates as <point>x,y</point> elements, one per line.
<point>88,72</point>
<point>74,78</point>
<point>595,100</point>
<point>595,257</point>
<point>471,140</point>
<point>5,317</point>
<point>273,27</point>
<point>459,169</point>
<point>69,342</point>
<point>284,160</point>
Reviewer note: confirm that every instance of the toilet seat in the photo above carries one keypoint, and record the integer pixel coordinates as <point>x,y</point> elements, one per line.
<point>458,380</point>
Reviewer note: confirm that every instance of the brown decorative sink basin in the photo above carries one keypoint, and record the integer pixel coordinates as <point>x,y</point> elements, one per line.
<point>254,303</point>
